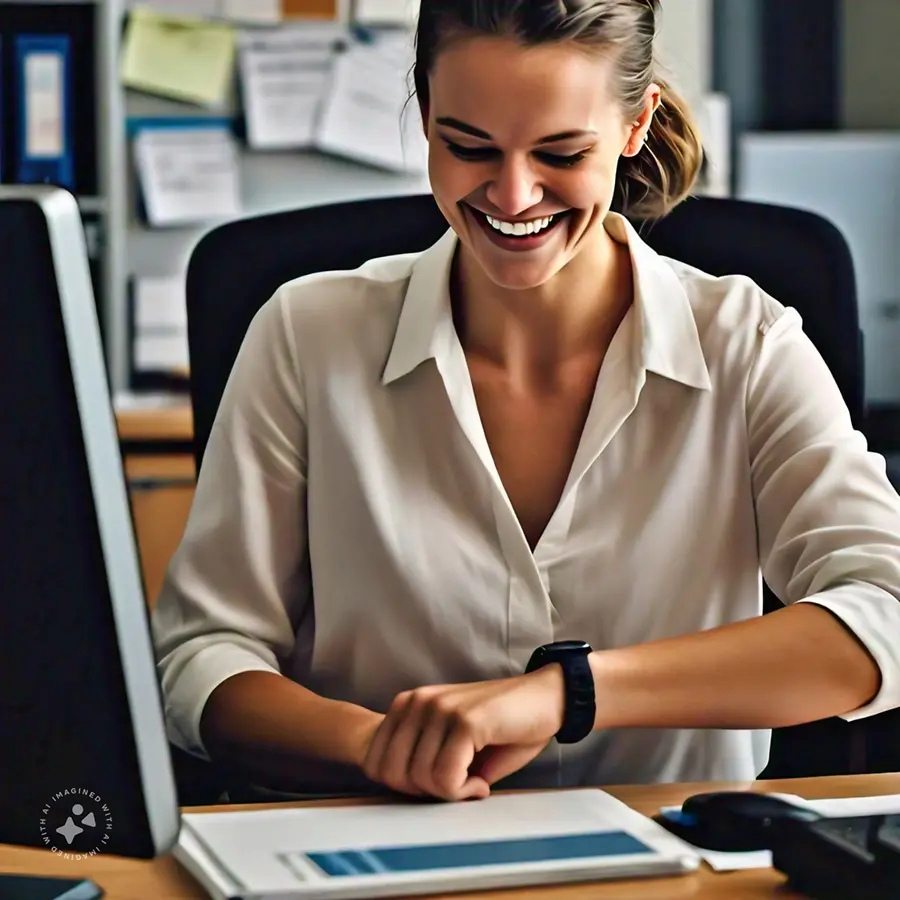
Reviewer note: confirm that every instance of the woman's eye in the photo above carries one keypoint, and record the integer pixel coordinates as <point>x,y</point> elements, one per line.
<point>470,153</point>
<point>554,159</point>
<point>478,154</point>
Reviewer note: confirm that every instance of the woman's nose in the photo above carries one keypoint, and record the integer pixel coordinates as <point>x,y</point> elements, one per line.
<point>514,187</point>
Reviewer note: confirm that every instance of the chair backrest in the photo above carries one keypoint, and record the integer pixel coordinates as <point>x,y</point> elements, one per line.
<point>796,256</point>
<point>236,268</point>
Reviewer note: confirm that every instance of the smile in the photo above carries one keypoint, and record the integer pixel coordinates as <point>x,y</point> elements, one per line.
<point>518,236</point>
<point>519,229</point>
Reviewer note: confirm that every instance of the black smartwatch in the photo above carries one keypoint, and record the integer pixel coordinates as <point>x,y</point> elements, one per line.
<point>581,706</point>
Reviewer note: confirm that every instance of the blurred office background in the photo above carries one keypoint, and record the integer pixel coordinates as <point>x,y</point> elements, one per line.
<point>168,117</point>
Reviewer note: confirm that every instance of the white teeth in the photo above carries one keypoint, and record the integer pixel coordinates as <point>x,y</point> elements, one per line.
<point>518,229</point>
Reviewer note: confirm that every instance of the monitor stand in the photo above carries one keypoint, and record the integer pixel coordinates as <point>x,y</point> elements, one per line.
<point>40,887</point>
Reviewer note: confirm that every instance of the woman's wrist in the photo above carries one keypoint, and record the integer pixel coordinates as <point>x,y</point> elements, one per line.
<point>552,684</point>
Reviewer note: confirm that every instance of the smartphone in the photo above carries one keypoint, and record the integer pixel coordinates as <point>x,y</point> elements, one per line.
<point>34,887</point>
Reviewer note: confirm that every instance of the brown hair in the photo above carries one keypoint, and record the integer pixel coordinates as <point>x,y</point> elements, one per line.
<point>662,174</point>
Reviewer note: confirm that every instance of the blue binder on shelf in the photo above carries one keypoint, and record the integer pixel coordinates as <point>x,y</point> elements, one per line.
<point>44,119</point>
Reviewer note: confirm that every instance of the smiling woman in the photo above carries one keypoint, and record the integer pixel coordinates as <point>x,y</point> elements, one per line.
<point>497,513</point>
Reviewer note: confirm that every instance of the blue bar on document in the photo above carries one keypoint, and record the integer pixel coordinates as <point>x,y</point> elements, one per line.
<point>375,860</point>
<point>44,91</point>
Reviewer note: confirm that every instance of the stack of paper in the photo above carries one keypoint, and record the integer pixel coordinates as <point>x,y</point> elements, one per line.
<point>160,325</point>
<point>395,850</point>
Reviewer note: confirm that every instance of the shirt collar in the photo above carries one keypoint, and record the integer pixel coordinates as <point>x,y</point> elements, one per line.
<point>668,341</point>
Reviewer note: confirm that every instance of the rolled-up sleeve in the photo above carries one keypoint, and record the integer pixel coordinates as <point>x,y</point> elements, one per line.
<point>828,519</point>
<point>238,583</point>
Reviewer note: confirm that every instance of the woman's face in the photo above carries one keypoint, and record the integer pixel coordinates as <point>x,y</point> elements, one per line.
<point>524,144</point>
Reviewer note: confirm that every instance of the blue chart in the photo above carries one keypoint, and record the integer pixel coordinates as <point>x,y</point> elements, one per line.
<point>375,860</point>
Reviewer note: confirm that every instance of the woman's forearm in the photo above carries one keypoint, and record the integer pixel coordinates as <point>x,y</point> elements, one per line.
<point>791,666</point>
<point>270,730</point>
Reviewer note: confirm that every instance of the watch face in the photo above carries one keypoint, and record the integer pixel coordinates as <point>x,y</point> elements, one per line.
<point>565,646</point>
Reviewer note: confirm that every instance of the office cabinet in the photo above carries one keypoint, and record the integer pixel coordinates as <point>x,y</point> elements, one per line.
<point>853,179</point>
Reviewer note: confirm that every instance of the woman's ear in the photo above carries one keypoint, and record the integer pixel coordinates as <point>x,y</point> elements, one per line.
<point>640,128</point>
<point>424,111</point>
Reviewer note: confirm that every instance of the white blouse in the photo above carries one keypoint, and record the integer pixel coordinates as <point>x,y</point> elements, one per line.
<point>350,530</point>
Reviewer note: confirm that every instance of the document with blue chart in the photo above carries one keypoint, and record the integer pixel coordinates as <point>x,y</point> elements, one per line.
<point>369,850</point>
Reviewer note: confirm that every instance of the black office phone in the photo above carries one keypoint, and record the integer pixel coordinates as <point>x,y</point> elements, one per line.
<point>853,858</point>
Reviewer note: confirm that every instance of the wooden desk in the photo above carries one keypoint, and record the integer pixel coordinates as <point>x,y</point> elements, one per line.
<point>159,465</point>
<point>164,878</point>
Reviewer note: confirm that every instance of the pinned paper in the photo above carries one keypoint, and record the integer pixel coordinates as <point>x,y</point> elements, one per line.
<point>366,116</point>
<point>183,58</point>
<point>258,11</point>
<point>386,12</point>
<point>188,175</point>
<point>285,76</point>
<point>181,7</point>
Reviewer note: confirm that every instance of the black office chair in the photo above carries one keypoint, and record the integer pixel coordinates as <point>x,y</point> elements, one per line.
<point>795,256</point>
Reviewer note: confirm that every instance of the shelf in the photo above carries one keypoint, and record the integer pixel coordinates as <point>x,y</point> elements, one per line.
<point>271,182</point>
<point>171,422</point>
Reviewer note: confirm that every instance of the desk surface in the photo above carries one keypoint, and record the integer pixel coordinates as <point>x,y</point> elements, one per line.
<point>121,878</point>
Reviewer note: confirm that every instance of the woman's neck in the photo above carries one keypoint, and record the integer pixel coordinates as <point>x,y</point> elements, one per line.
<point>532,335</point>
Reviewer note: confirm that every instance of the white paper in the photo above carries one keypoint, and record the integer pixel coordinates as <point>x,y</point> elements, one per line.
<point>882,805</point>
<point>285,75</point>
<point>159,303</point>
<point>188,175</point>
<point>267,851</point>
<point>386,12</point>
<point>205,8</point>
<point>723,861</point>
<point>366,116</point>
<point>161,353</point>
<point>44,105</point>
<point>125,401</point>
<point>260,11</point>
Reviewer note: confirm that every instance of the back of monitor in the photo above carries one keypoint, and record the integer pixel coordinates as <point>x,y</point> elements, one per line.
<point>83,755</point>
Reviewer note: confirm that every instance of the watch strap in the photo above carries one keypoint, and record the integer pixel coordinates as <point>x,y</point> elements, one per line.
<point>578,680</point>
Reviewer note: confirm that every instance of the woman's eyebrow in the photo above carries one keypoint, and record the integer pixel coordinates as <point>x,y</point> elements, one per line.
<point>466,128</point>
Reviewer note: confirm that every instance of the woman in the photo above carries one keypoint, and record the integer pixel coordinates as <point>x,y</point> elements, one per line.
<point>426,471</point>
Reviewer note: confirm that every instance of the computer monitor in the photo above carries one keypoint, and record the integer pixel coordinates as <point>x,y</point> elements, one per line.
<point>85,766</point>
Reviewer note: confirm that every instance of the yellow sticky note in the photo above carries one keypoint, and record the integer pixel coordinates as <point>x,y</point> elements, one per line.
<point>174,56</point>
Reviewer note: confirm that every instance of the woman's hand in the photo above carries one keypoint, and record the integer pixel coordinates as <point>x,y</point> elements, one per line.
<point>455,741</point>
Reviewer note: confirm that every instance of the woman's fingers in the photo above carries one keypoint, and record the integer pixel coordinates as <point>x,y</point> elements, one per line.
<point>395,768</point>
<point>431,739</point>
<point>496,763</point>
<point>382,757</point>
<point>452,763</point>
